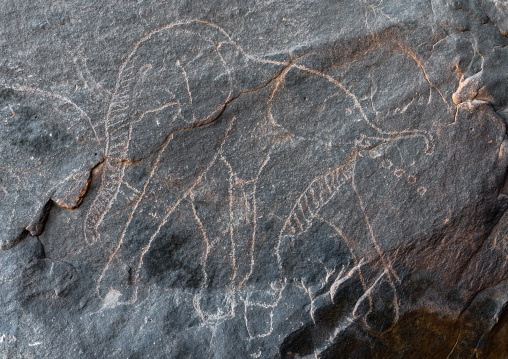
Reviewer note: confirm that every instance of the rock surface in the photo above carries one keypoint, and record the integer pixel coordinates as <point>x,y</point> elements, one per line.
<point>306,179</point>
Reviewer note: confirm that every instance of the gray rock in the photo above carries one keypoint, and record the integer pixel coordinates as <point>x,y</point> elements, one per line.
<point>254,180</point>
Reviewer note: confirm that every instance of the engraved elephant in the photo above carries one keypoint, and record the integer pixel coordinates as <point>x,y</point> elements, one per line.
<point>166,82</point>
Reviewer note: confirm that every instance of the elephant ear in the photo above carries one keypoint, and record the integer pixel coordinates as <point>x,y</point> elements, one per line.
<point>176,77</point>
<point>47,144</point>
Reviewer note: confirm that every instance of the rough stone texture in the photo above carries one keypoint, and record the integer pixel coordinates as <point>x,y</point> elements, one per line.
<point>254,179</point>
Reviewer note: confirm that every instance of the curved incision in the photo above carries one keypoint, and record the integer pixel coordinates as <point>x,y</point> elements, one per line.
<point>317,194</point>
<point>324,187</point>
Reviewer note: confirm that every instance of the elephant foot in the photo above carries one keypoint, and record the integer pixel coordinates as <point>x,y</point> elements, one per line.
<point>214,304</point>
<point>116,285</point>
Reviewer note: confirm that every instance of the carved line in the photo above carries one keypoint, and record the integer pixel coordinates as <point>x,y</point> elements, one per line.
<point>54,95</point>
